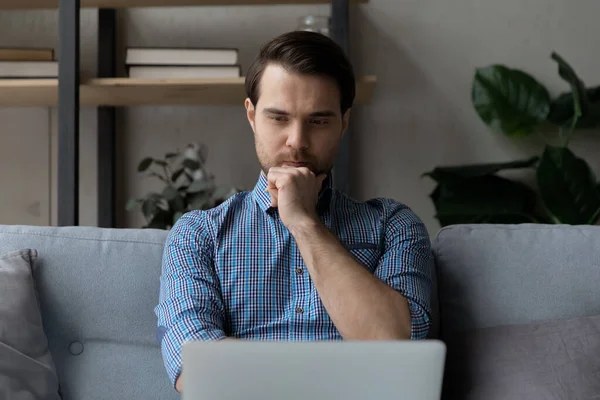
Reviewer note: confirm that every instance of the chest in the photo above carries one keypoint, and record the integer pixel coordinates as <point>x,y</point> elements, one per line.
<point>260,251</point>
<point>265,283</point>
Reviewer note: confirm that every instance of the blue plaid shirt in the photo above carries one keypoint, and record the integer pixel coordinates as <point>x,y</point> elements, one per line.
<point>235,270</point>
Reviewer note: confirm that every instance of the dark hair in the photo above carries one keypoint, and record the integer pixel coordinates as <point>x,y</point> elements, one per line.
<point>304,52</point>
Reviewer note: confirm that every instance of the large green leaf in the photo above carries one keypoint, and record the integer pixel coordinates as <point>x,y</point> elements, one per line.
<point>568,187</point>
<point>484,199</point>
<point>580,103</point>
<point>562,110</point>
<point>445,174</point>
<point>509,100</point>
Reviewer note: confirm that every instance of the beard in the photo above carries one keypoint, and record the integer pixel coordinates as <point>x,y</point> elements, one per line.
<point>268,161</point>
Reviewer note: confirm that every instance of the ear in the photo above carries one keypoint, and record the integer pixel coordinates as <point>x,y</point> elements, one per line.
<point>250,113</point>
<point>345,121</point>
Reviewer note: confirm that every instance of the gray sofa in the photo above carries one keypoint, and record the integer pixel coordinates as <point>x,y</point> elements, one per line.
<point>98,288</point>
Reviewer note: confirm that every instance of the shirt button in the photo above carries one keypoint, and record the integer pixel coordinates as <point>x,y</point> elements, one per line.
<point>299,310</point>
<point>299,271</point>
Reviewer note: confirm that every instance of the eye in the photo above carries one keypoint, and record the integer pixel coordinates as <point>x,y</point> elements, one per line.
<point>278,118</point>
<point>319,121</point>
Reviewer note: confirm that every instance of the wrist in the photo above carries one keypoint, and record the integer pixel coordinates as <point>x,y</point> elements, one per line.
<point>305,226</point>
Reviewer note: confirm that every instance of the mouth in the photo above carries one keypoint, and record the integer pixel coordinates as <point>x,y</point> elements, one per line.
<point>295,164</point>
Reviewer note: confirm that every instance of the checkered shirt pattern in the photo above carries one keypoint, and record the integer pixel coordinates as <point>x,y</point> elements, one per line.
<point>235,270</point>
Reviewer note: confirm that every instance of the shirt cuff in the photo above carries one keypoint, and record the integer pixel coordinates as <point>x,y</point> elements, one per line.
<point>420,321</point>
<point>172,345</point>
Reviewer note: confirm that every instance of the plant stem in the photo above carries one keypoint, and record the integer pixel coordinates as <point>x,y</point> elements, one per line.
<point>594,218</point>
<point>571,129</point>
<point>168,177</point>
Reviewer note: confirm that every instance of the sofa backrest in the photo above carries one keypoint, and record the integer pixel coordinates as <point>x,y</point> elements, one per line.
<point>98,288</point>
<point>493,275</point>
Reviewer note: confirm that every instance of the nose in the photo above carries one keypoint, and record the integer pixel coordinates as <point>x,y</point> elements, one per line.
<point>297,136</point>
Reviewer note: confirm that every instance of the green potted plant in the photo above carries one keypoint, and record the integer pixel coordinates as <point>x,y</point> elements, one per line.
<point>513,103</point>
<point>187,186</point>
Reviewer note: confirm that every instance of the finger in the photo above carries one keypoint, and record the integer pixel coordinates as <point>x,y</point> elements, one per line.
<point>277,178</point>
<point>305,171</point>
<point>273,175</point>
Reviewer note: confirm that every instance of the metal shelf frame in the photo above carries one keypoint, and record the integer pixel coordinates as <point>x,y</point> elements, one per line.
<point>68,112</point>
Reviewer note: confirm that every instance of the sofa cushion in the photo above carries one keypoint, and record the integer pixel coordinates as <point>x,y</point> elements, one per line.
<point>550,360</point>
<point>492,275</point>
<point>98,289</point>
<point>27,370</point>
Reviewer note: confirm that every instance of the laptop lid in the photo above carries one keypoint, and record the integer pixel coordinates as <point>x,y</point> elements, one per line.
<point>326,370</point>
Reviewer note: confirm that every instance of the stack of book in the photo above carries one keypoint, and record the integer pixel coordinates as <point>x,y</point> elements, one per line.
<point>18,63</point>
<point>146,62</point>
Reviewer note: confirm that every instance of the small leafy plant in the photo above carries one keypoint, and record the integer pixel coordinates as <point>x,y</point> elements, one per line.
<point>513,103</point>
<point>187,186</point>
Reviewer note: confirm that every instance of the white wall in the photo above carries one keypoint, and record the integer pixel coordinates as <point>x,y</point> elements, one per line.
<point>423,52</point>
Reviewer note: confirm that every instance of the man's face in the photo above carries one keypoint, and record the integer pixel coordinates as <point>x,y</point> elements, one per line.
<point>297,121</point>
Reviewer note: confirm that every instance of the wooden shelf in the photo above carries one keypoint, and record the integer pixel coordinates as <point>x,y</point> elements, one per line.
<point>143,92</point>
<point>28,92</point>
<point>41,4</point>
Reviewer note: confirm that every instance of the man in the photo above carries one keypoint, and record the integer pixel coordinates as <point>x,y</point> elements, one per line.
<point>294,259</point>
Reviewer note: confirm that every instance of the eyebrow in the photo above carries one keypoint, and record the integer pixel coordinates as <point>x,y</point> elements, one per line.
<point>276,111</point>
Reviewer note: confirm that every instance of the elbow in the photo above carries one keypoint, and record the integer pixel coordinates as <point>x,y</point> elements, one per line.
<point>399,333</point>
<point>382,334</point>
<point>179,384</point>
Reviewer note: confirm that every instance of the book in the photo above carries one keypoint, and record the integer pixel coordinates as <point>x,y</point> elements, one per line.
<point>180,56</point>
<point>24,54</point>
<point>28,69</point>
<point>183,71</point>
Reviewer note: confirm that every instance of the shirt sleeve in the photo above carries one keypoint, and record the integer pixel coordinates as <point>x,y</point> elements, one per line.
<point>190,304</point>
<point>406,265</point>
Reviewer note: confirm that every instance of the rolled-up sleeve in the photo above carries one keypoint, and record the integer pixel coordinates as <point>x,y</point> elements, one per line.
<point>407,264</point>
<point>190,304</point>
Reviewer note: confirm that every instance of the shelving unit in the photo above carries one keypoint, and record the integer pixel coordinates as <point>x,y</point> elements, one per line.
<point>45,4</point>
<point>107,91</point>
<point>142,92</point>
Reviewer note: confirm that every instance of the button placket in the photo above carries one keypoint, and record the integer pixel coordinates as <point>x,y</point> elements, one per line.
<point>301,283</point>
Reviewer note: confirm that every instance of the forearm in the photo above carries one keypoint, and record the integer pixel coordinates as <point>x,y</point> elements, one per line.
<point>361,306</point>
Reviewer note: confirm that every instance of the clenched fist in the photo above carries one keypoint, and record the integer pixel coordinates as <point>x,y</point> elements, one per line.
<point>294,191</point>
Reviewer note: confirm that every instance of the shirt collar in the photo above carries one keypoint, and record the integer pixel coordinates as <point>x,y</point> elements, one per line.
<point>263,198</point>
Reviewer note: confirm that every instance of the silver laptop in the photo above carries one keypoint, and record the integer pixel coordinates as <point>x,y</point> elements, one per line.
<point>330,370</point>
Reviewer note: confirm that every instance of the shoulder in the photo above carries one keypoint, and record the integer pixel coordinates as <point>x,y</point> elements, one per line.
<point>204,224</point>
<point>392,215</point>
